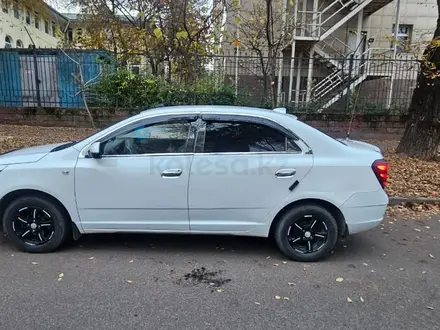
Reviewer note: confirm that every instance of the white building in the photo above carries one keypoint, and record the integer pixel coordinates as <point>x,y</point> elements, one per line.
<point>22,27</point>
<point>329,34</point>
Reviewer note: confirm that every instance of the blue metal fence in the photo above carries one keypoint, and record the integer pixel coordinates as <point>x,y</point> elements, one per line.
<point>47,78</point>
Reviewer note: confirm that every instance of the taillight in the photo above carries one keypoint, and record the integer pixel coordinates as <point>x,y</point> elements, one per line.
<point>380,168</point>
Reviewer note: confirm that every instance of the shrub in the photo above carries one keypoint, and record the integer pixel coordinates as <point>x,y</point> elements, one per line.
<point>124,89</point>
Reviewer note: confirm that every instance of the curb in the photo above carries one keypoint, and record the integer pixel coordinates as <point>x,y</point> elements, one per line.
<point>399,200</point>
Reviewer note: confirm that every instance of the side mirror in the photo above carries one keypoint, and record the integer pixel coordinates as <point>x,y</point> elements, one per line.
<point>95,150</point>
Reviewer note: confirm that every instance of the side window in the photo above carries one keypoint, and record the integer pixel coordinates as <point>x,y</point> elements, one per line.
<point>164,137</point>
<point>237,136</point>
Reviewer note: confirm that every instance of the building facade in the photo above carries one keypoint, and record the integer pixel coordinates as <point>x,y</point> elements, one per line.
<point>335,48</point>
<point>23,27</point>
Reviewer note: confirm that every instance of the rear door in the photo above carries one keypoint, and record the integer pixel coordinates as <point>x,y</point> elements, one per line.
<point>243,167</point>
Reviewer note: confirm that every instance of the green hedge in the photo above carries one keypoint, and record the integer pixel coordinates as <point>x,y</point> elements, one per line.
<point>124,89</point>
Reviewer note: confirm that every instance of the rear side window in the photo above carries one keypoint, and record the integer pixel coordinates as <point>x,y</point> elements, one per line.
<point>235,136</point>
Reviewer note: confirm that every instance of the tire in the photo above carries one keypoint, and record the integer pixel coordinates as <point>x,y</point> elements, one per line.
<point>302,240</point>
<point>36,225</point>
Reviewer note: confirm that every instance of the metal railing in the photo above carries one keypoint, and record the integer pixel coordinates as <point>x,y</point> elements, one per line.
<point>49,78</point>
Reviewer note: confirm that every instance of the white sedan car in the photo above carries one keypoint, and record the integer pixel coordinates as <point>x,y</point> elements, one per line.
<point>197,170</point>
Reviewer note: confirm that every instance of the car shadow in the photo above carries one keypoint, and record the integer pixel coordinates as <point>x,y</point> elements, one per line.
<point>355,247</point>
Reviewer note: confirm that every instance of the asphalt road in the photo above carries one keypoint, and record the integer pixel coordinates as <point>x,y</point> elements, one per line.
<point>172,282</point>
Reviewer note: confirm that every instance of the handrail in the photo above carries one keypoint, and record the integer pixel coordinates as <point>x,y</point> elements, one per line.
<point>338,77</point>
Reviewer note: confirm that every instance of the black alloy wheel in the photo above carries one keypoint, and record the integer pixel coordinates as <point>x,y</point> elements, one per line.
<point>306,233</point>
<point>37,224</point>
<point>33,225</point>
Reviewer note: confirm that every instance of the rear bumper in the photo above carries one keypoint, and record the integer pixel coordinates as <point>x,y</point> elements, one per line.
<point>364,211</point>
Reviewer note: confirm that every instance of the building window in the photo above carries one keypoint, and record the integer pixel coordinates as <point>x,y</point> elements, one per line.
<point>28,17</point>
<point>5,6</point>
<point>16,10</point>
<point>69,34</point>
<point>19,44</point>
<point>46,27</point>
<point>37,21</point>
<point>403,40</point>
<point>54,29</point>
<point>78,34</point>
<point>8,42</point>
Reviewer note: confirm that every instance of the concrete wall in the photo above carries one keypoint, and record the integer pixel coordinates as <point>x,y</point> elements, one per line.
<point>15,28</point>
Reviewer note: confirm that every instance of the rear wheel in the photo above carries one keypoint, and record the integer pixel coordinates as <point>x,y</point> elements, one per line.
<point>307,233</point>
<point>34,224</point>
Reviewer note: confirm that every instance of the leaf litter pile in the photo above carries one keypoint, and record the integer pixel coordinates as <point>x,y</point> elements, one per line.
<point>408,176</point>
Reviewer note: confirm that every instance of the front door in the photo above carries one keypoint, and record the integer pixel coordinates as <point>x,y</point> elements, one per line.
<point>243,168</point>
<point>141,181</point>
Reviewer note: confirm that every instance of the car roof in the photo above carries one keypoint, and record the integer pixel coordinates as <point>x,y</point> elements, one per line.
<point>227,109</point>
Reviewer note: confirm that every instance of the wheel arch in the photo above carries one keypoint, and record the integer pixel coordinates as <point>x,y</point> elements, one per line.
<point>11,196</point>
<point>333,209</point>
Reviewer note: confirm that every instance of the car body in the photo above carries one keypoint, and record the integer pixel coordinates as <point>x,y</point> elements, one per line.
<point>194,169</point>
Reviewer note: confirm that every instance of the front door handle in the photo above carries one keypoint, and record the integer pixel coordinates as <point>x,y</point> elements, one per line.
<point>171,173</point>
<point>285,173</point>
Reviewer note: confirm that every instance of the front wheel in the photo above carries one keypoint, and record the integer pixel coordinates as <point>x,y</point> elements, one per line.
<point>307,233</point>
<point>34,224</point>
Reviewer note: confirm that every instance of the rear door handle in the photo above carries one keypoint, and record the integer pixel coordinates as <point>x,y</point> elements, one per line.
<point>171,173</point>
<point>285,173</point>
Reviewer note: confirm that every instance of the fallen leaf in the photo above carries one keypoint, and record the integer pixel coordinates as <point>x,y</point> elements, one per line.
<point>61,275</point>
<point>286,298</point>
<point>257,303</point>
<point>430,307</point>
<point>339,279</point>
<point>212,284</point>
<point>401,268</point>
<point>34,263</point>
<point>60,278</point>
<point>427,227</point>
<point>291,283</point>
<point>362,299</point>
<point>131,261</point>
<point>277,297</point>
<point>91,258</point>
<point>220,290</point>
<point>12,255</point>
<point>431,256</point>
<point>276,265</point>
<point>424,272</point>
<point>417,229</point>
<point>129,281</point>
<point>284,262</point>
<point>365,264</point>
<point>349,300</point>
<point>268,257</point>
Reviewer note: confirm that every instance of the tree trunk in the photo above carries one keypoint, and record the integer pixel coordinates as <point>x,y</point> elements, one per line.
<point>422,132</point>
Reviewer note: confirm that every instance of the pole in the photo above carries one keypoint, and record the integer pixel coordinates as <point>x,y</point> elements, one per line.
<point>237,50</point>
<point>280,59</point>
<point>298,79</point>
<point>292,56</point>
<point>292,66</point>
<point>350,69</point>
<point>310,74</point>
<point>303,17</point>
<point>316,27</point>
<point>396,33</point>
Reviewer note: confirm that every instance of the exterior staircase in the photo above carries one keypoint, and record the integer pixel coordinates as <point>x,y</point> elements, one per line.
<point>319,27</point>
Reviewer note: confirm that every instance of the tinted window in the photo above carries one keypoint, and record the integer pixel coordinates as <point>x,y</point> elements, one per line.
<point>245,137</point>
<point>165,137</point>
